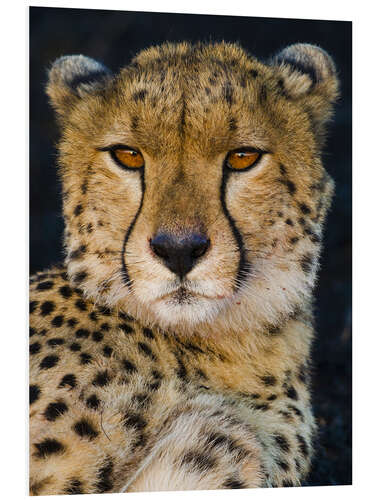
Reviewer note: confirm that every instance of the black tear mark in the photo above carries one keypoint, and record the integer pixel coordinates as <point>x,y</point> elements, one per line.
<point>125,273</point>
<point>243,266</point>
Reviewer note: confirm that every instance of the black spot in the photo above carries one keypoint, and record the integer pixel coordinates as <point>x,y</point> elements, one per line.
<point>306,263</point>
<point>104,482</point>
<point>228,93</point>
<point>105,327</point>
<point>34,393</point>
<point>302,445</point>
<point>55,410</point>
<point>272,397</point>
<point>181,369</point>
<point>134,122</point>
<point>140,95</point>
<point>57,321</point>
<point>283,465</point>
<point>126,328</point>
<point>47,307</point>
<point>280,84</point>
<point>154,386</point>
<point>200,461</point>
<point>81,304</point>
<point>289,222</point>
<point>72,322</point>
<point>291,393</point>
<point>297,411</point>
<point>74,487</point>
<point>141,441</point>
<point>97,336</point>
<point>89,228</point>
<point>84,186</point>
<point>32,331</point>
<point>304,208</point>
<point>254,73</point>
<point>68,380</point>
<point>85,358</point>
<point>34,348</point>
<point>125,317</point>
<point>79,277</point>
<point>128,366</point>
<point>85,429</point>
<point>82,333</point>
<point>93,316</point>
<point>273,329</point>
<point>269,380</point>
<point>55,341</point>
<point>282,443</point>
<point>282,169</point>
<point>45,285</point>
<point>78,210</point>
<point>107,351</point>
<point>65,291</point>
<point>148,333</point>
<point>102,378</point>
<point>134,420</point>
<point>104,310</point>
<point>294,240</point>
<point>290,186</point>
<point>192,347</point>
<point>146,350</point>
<point>93,402</point>
<point>233,124</point>
<point>75,347</point>
<point>32,306</point>
<point>262,406</point>
<point>262,94</point>
<point>215,439</point>
<point>302,221</point>
<point>78,252</point>
<point>156,374</point>
<point>234,484</point>
<point>48,447</point>
<point>49,362</point>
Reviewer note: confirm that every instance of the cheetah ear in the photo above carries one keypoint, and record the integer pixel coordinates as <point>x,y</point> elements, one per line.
<point>308,74</point>
<point>73,77</point>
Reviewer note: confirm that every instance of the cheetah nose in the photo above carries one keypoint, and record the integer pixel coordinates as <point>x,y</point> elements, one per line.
<point>179,254</point>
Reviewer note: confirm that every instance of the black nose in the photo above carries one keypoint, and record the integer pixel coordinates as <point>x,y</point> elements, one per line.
<point>180,254</point>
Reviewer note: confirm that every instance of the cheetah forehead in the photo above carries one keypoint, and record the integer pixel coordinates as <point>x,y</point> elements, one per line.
<point>198,85</point>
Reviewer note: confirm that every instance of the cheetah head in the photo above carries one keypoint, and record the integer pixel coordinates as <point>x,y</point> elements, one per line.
<point>192,182</point>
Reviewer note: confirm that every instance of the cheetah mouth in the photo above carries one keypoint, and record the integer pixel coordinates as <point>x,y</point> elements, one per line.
<point>185,295</point>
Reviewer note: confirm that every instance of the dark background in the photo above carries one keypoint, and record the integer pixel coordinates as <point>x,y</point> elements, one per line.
<point>113,38</point>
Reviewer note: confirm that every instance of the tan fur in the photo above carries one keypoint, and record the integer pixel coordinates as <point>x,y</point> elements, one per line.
<point>214,393</point>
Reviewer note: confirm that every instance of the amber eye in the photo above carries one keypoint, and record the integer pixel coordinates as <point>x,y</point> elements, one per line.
<point>240,160</point>
<point>128,157</point>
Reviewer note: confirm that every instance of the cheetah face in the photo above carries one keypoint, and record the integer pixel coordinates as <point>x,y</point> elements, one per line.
<point>193,187</point>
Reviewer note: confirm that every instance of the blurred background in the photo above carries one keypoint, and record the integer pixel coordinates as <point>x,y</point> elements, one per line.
<point>114,37</point>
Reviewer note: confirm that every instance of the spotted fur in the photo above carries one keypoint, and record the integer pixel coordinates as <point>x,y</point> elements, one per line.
<point>139,382</point>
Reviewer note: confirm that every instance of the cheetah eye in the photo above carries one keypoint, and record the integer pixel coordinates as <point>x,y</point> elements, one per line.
<point>127,157</point>
<point>242,159</point>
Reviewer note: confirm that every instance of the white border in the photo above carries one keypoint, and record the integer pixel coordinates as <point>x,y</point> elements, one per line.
<point>14,209</point>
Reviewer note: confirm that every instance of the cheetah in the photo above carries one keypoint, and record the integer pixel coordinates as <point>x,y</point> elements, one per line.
<point>171,350</point>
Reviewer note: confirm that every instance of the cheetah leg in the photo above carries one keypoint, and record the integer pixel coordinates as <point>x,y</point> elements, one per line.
<point>202,449</point>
